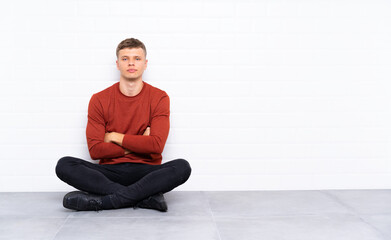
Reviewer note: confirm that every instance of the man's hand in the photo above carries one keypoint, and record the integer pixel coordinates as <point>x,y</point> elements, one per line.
<point>114,137</point>
<point>147,131</point>
<point>117,138</point>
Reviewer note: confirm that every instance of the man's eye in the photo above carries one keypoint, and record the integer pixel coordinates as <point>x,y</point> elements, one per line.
<point>138,58</point>
<point>124,59</point>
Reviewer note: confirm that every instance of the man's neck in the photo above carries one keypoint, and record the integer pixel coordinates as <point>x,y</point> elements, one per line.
<point>130,88</point>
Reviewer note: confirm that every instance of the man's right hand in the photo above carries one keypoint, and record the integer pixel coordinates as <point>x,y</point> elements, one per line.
<point>147,131</point>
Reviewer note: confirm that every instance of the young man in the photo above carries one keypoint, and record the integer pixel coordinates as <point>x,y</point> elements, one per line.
<point>128,125</point>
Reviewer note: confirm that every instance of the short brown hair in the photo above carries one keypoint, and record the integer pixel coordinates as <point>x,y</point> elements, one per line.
<point>131,43</point>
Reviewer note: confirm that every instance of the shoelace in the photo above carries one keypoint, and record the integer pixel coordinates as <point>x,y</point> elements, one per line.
<point>94,204</point>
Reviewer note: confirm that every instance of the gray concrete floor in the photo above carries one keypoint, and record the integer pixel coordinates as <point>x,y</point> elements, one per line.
<point>274,215</point>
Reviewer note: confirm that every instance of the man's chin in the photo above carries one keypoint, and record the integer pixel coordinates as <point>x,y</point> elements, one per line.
<point>131,79</point>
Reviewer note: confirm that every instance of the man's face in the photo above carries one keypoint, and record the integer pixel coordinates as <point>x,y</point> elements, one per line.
<point>131,63</point>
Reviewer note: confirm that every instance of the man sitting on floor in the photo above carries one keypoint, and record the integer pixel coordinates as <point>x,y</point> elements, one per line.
<point>128,125</point>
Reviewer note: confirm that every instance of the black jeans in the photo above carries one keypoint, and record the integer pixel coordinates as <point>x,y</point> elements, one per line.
<point>125,183</point>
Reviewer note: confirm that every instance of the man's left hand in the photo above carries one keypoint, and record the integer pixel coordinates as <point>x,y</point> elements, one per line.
<point>114,137</point>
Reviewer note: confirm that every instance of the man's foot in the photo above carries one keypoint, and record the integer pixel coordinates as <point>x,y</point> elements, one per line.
<point>156,202</point>
<point>82,201</point>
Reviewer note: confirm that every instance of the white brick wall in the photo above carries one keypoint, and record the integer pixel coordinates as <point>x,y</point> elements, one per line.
<point>265,94</point>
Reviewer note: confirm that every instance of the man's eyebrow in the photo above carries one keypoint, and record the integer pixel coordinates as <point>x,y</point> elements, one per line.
<point>132,56</point>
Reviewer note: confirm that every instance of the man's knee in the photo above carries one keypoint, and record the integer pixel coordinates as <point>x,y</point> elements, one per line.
<point>63,166</point>
<point>183,168</point>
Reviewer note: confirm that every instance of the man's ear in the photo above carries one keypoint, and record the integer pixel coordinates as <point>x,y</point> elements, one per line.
<point>146,63</point>
<point>116,62</point>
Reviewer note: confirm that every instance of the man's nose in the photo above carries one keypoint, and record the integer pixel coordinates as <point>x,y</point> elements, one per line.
<point>131,63</point>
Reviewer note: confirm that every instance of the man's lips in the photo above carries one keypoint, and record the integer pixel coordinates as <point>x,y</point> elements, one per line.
<point>131,70</point>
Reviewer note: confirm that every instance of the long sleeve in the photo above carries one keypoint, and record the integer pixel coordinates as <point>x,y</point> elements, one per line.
<point>95,133</point>
<point>160,125</point>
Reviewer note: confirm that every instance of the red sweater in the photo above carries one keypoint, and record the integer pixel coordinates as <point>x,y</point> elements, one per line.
<point>111,111</point>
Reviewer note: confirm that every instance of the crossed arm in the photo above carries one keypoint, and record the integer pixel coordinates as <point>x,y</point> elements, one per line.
<point>106,145</point>
<point>118,138</point>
